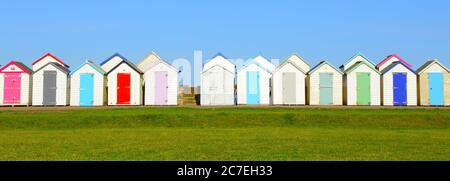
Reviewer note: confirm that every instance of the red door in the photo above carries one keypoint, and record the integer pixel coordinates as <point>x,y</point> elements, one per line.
<point>11,94</point>
<point>123,88</point>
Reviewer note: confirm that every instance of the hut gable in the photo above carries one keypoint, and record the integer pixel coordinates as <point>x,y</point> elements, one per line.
<point>46,59</point>
<point>221,61</point>
<point>392,59</point>
<point>432,63</point>
<point>14,66</point>
<point>263,63</point>
<point>359,57</point>
<point>148,61</point>
<point>288,82</point>
<point>325,85</point>
<point>57,95</point>
<point>112,62</point>
<point>15,84</point>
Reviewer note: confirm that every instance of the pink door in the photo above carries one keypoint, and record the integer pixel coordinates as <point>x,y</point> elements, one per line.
<point>161,88</point>
<point>12,88</point>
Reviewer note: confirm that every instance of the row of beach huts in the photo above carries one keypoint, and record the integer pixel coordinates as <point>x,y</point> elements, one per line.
<point>153,81</point>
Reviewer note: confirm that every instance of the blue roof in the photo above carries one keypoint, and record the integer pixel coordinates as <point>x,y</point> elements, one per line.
<point>92,64</point>
<point>219,55</point>
<point>396,63</point>
<point>115,55</point>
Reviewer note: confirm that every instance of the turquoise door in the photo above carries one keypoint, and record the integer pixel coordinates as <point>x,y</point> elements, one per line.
<point>326,88</point>
<point>436,86</point>
<point>253,87</point>
<point>86,89</point>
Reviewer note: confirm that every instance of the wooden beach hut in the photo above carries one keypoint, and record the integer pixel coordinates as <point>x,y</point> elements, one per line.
<point>361,82</point>
<point>434,84</point>
<point>124,84</point>
<point>253,82</point>
<point>88,85</point>
<point>399,85</point>
<point>15,84</point>
<point>217,82</point>
<point>160,81</point>
<point>288,81</point>
<point>325,85</point>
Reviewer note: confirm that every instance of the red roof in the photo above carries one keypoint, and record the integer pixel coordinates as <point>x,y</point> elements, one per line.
<point>49,54</point>
<point>394,56</point>
<point>18,64</point>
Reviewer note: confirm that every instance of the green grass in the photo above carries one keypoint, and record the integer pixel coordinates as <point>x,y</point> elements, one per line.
<point>242,133</point>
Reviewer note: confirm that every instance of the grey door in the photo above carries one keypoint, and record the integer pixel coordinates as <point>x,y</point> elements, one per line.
<point>289,89</point>
<point>49,88</point>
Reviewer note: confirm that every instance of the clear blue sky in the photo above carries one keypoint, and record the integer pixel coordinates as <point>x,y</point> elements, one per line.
<point>331,30</point>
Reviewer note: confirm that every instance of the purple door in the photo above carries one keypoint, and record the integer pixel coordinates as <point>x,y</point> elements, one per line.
<point>161,88</point>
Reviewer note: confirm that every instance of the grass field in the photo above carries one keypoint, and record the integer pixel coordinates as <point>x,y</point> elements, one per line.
<point>235,133</point>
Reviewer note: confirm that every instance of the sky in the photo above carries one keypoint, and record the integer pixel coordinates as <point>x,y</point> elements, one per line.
<point>332,30</point>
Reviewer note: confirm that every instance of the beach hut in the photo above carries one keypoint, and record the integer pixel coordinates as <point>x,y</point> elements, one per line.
<point>325,85</point>
<point>88,85</point>
<point>392,59</point>
<point>253,82</point>
<point>434,84</point>
<point>288,81</point>
<point>50,85</point>
<point>361,82</point>
<point>15,84</point>
<point>399,85</point>
<point>124,84</point>
<point>160,81</point>
<point>217,82</point>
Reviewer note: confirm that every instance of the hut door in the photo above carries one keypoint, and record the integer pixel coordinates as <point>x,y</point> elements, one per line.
<point>123,88</point>
<point>253,87</point>
<point>161,88</point>
<point>326,88</point>
<point>400,93</point>
<point>49,88</point>
<point>363,88</point>
<point>12,88</point>
<point>436,86</point>
<point>289,88</point>
<point>86,89</point>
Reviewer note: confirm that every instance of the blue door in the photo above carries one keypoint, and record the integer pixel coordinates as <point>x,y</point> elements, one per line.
<point>436,86</point>
<point>86,89</point>
<point>400,93</point>
<point>253,87</point>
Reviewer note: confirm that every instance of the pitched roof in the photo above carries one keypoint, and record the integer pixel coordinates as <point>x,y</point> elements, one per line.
<point>321,64</point>
<point>219,55</point>
<point>216,65</point>
<point>92,64</point>
<point>357,64</point>
<point>115,55</point>
<point>356,55</point>
<point>393,56</point>
<point>22,66</point>
<point>289,61</point>
<point>396,63</point>
<point>50,55</point>
<point>56,65</point>
<point>129,64</point>
<point>429,63</point>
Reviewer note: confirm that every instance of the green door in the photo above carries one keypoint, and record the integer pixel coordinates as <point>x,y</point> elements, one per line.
<point>326,88</point>
<point>363,88</point>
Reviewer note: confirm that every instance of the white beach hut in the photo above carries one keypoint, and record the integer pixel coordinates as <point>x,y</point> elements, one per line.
<point>253,82</point>
<point>288,81</point>
<point>325,85</point>
<point>160,81</point>
<point>399,85</point>
<point>15,84</point>
<point>50,82</point>
<point>88,85</point>
<point>361,82</point>
<point>124,84</point>
<point>217,82</point>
